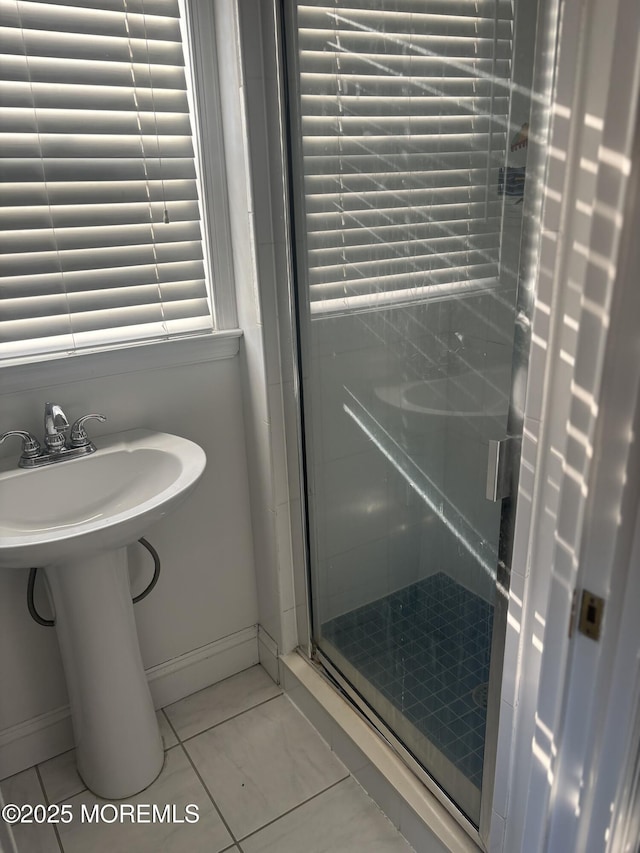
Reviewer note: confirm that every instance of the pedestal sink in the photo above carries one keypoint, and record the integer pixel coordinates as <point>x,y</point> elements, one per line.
<point>75,519</point>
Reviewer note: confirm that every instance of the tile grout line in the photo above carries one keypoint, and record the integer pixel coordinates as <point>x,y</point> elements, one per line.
<point>44,790</point>
<point>165,749</point>
<point>303,803</point>
<point>208,792</point>
<point>46,799</point>
<point>67,797</point>
<point>226,720</point>
<point>222,681</point>
<point>180,743</point>
<point>162,711</point>
<point>59,840</point>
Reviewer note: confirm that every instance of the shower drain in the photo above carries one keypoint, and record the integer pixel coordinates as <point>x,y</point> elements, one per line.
<point>479,694</point>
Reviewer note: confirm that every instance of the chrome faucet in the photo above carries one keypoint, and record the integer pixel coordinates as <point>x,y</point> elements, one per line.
<point>56,446</point>
<point>55,423</point>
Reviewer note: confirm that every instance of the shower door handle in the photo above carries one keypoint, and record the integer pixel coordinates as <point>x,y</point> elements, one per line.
<point>499,469</point>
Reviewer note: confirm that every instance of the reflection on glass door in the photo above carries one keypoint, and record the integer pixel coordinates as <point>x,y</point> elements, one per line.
<point>410,140</point>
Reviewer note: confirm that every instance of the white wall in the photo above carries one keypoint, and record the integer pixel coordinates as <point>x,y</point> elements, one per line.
<point>583,178</point>
<point>207,587</point>
<point>367,522</point>
<point>253,149</point>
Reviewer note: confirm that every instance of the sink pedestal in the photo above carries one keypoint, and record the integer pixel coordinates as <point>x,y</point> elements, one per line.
<point>75,518</point>
<point>118,743</point>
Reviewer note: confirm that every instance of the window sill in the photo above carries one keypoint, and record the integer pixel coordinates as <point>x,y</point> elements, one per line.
<point>153,355</point>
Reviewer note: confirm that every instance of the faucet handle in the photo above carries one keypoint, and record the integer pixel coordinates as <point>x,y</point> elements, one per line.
<point>79,437</point>
<point>30,444</point>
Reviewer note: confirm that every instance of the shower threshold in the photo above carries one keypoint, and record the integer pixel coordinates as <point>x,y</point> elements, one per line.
<point>418,660</point>
<point>417,807</point>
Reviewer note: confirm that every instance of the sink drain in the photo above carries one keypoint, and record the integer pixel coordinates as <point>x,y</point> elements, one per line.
<point>479,694</point>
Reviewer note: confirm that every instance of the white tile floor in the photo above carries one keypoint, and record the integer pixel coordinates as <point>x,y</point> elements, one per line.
<point>263,779</point>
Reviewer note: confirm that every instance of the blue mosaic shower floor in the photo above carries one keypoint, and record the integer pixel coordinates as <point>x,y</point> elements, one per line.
<point>426,648</point>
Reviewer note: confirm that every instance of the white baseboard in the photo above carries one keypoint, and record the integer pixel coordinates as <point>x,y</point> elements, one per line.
<point>35,740</point>
<point>202,667</point>
<point>47,735</point>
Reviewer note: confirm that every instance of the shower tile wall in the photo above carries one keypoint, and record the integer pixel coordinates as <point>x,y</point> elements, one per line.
<point>369,519</point>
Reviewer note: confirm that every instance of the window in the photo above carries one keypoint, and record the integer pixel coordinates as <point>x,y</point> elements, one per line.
<point>102,236</point>
<point>403,114</point>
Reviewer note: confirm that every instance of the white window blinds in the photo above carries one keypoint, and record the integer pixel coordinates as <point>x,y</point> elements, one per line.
<point>404,110</point>
<point>100,234</point>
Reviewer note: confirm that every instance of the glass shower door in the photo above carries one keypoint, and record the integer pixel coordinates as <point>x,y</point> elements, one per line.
<point>409,136</point>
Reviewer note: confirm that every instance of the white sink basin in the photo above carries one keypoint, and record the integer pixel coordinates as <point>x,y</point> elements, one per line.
<point>103,501</point>
<point>74,518</point>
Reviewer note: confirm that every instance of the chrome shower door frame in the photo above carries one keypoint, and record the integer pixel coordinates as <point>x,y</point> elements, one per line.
<point>515,422</point>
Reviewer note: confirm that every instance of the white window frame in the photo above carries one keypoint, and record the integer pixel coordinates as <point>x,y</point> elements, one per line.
<point>201,36</point>
<point>198,27</point>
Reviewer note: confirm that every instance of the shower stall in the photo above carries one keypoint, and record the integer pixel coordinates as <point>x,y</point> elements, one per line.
<point>412,212</point>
